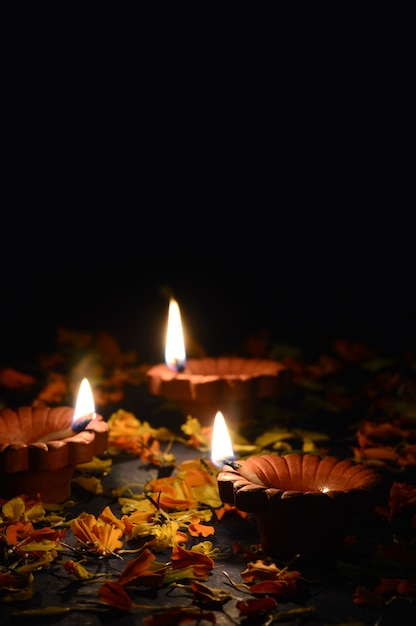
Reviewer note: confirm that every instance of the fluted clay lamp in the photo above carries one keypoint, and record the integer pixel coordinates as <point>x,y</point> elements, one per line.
<point>40,447</point>
<point>303,504</point>
<point>201,387</point>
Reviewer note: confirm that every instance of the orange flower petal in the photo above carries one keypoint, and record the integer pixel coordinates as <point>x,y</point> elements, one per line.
<point>108,516</point>
<point>181,558</point>
<point>229,508</point>
<point>114,594</point>
<point>144,571</point>
<point>18,531</point>
<point>253,606</point>
<point>197,530</point>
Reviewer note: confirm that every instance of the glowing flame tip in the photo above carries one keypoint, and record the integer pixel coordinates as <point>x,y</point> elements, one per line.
<point>84,407</point>
<point>175,355</point>
<point>222,449</point>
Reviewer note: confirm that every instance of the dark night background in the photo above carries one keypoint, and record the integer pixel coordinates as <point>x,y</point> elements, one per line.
<point>298,224</point>
<point>300,279</point>
<point>269,186</point>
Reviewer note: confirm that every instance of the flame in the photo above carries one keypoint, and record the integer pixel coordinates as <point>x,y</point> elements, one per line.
<point>175,355</point>
<point>84,408</point>
<point>222,449</point>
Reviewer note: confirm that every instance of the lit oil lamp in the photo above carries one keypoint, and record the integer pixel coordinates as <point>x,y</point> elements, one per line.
<point>40,447</point>
<point>83,417</point>
<point>303,504</point>
<point>201,387</point>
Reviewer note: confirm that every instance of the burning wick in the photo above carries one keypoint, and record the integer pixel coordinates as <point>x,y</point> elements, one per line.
<point>175,355</point>
<point>84,413</point>
<point>222,452</point>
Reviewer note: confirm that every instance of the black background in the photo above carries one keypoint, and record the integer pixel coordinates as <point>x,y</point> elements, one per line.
<point>267,183</point>
<point>296,219</point>
<point>235,272</point>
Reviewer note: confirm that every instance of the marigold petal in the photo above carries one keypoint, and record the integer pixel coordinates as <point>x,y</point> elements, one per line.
<point>143,570</point>
<point>198,530</point>
<point>108,517</point>
<point>253,606</point>
<point>114,594</point>
<point>181,557</point>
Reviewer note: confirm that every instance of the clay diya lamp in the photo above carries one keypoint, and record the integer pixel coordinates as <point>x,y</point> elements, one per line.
<point>232,385</point>
<point>303,504</point>
<point>201,387</point>
<point>40,448</point>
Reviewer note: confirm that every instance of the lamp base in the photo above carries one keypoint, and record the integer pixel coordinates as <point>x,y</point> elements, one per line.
<point>303,504</point>
<point>48,486</point>
<point>32,467</point>
<point>232,385</point>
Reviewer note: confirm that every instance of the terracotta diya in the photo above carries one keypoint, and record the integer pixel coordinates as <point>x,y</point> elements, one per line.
<point>39,450</point>
<point>201,387</point>
<point>303,504</point>
<point>232,385</point>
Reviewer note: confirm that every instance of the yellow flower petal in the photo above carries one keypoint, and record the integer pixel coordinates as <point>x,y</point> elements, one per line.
<point>13,509</point>
<point>89,483</point>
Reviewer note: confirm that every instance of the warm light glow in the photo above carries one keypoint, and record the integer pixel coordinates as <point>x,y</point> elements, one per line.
<point>175,355</point>
<point>85,407</point>
<point>222,449</point>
